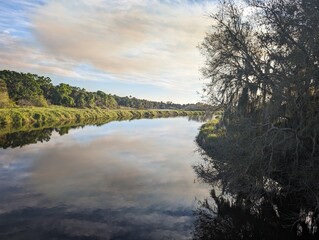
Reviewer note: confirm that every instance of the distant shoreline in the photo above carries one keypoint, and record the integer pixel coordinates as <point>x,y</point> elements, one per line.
<point>25,118</point>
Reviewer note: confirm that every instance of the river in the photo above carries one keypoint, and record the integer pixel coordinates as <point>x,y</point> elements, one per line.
<point>121,180</point>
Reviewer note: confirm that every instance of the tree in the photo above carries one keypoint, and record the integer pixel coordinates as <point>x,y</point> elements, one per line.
<point>4,96</point>
<point>23,89</point>
<point>61,95</point>
<point>264,70</point>
<point>263,66</point>
<point>45,85</point>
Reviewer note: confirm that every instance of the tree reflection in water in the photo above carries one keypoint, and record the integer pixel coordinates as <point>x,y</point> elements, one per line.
<point>34,135</point>
<point>246,205</point>
<point>23,138</point>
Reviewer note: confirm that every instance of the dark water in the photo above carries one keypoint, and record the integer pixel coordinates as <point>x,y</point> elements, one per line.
<point>249,200</point>
<point>121,180</point>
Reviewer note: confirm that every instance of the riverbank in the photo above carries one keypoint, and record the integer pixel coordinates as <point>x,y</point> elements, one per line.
<point>209,135</point>
<point>12,119</point>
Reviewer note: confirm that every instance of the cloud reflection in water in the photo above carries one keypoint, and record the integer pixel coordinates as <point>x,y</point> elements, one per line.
<point>134,182</point>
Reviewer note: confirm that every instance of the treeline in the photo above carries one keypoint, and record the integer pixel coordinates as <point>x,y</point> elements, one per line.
<point>26,89</point>
<point>133,102</point>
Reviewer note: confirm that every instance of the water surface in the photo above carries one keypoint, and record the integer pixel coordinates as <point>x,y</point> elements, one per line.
<point>121,180</point>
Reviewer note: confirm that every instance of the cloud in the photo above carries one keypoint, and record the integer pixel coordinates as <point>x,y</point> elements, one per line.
<point>150,42</point>
<point>147,38</point>
<point>131,177</point>
<point>124,173</point>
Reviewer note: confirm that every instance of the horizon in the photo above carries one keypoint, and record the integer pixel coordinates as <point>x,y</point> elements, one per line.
<point>146,49</point>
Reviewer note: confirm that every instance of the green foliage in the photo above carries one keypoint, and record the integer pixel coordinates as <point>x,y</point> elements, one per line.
<point>4,97</point>
<point>33,90</point>
<point>132,102</point>
<point>23,89</point>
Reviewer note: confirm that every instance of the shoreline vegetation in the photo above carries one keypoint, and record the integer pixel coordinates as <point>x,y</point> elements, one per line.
<point>26,89</point>
<point>29,101</point>
<point>30,118</point>
<point>208,134</point>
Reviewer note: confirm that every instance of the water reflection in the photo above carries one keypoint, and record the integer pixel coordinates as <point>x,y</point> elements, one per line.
<point>123,180</point>
<point>20,139</point>
<point>252,204</point>
<point>26,137</point>
<point>124,173</point>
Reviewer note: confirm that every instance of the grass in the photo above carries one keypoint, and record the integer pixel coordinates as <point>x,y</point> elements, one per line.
<point>208,131</point>
<point>210,135</point>
<point>24,118</point>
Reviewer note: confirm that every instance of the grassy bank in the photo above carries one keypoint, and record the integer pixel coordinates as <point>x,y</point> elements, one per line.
<point>14,119</point>
<point>209,135</point>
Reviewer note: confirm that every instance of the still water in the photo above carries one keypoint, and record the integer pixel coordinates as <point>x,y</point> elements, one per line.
<point>122,180</point>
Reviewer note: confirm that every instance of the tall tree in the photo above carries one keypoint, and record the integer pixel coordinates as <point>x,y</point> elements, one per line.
<point>23,89</point>
<point>4,96</point>
<point>264,69</point>
<point>262,63</point>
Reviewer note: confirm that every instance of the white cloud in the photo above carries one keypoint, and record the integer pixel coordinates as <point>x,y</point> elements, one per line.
<point>124,37</point>
<point>146,42</point>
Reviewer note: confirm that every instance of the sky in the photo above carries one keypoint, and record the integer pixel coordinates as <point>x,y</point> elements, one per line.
<point>143,48</point>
